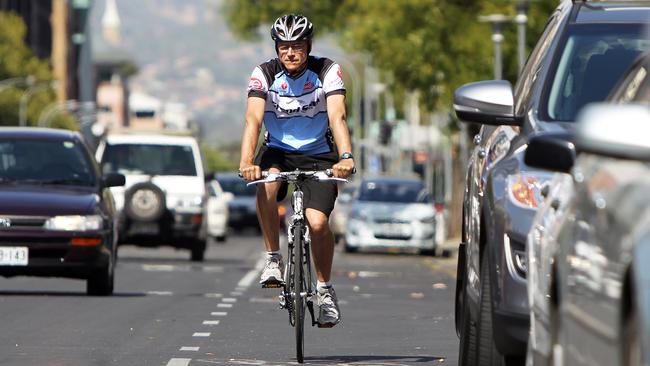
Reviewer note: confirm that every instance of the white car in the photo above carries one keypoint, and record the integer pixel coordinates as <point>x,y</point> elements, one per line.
<point>163,201</point>
<point>217,211</point>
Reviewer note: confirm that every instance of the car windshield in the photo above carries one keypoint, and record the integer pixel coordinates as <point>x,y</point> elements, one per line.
<point>399,192</point>
<point>45,162</point>
<point>594,57</point>
<point>149,159</point>
<point>237,187</point>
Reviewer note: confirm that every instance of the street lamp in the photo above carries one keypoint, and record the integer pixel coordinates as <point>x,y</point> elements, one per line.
<point>22,112</point>
<point>497,21</point>
<point>521,18</point>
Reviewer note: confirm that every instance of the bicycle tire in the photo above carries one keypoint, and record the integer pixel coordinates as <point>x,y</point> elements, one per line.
<point>298,288</point>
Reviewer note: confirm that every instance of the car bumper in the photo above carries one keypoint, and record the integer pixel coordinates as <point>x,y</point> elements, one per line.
<point>363,238</point>
<point>172,225</point>
<point>51,254</point>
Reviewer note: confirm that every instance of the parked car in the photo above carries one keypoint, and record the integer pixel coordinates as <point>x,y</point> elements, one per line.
<point>543,251</point>
<point>243,207</point>
<point>596,281</point>
<point>393,214</point>
<point>583,51</point>
<point>341,213</point>
<point>57,214</point>
<point>217,211</point>
<point>163,202</point>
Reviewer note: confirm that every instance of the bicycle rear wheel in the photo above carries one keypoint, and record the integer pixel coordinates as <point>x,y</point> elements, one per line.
<point>298,287</point>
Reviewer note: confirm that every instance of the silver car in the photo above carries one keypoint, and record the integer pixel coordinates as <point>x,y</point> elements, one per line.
<point>589,289</point>
<point>392,214</point>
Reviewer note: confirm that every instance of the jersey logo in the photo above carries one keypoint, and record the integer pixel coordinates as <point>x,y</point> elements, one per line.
<point>284,86</point>
<point>339,73</point>
<point>308,85</point>
<point>255,83</point>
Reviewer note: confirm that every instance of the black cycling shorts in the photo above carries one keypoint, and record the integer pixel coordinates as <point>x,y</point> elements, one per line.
<point>317,195</point>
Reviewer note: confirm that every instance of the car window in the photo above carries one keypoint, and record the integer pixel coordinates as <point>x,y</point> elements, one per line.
<point>43,161</point>
<point>594,57</point>
<point>149,159</point>
<point>237,187</point>
<point>399,192</point>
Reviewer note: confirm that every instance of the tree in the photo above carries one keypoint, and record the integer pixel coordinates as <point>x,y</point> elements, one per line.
<point>428,46</point>
<point>18,61</point>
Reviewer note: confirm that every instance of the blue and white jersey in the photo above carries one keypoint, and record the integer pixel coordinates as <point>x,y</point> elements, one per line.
<point>295,115</point>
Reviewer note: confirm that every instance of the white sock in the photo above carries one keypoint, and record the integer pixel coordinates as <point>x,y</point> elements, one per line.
<point>320,284</point>
<point>273,254</point>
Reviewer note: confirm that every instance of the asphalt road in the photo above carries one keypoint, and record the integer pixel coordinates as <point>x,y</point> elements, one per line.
<point>168,311</point>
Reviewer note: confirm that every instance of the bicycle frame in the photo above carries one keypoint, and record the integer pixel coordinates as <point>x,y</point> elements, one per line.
<point>297,289</point>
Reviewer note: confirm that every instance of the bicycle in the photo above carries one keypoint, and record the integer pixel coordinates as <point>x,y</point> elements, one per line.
<point>297,286</point>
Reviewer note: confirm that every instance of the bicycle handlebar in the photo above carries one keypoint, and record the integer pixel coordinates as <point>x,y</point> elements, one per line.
<point>297,175</point>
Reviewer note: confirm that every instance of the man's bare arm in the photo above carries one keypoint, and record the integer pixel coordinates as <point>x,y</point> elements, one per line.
<point>341,134</point>
<point>254,117</point>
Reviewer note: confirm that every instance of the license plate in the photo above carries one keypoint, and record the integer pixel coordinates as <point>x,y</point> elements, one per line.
<point>14,256</point>
<point>393,230</point>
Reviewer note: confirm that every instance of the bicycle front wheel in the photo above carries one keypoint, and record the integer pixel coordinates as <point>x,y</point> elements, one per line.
<point>298,289</point>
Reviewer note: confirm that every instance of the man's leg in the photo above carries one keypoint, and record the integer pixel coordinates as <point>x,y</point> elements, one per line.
<point>267,215</point>
<point>322,243</point>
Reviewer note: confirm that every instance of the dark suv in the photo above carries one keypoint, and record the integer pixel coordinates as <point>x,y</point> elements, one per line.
<point>583,51</point>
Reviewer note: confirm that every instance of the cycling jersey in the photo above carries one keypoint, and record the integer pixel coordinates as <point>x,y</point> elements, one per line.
<point>295,115</point>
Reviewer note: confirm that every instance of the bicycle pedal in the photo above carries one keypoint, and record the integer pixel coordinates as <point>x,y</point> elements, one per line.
<point>272,284</point>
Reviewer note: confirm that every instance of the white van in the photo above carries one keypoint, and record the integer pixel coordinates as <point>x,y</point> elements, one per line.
<point>163,201</point>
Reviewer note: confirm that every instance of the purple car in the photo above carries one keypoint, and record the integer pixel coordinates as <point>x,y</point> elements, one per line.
<point>57,216</point>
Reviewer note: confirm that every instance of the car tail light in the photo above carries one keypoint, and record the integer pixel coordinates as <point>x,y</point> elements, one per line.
<point>85,242</point>
<point>282,210</point>
<point>196,219</point>
<point>439,207</point>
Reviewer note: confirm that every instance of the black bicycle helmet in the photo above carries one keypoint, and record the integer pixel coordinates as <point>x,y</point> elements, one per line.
<point>292,27</point>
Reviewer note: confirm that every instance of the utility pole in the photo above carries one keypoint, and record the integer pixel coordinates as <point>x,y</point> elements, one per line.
<point>521,19</point>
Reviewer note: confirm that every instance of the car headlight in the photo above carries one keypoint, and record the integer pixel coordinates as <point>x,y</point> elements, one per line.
<point>74,223</point>
<point>525,189</point>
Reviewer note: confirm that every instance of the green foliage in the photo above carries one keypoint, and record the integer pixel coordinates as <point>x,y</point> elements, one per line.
<point>18,61</point>
<point>430,46</point>
<point>217,161</point>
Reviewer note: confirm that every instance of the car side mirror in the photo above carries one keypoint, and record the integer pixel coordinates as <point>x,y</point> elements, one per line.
<point>113,180</point>
<point>489,102</point>
<point>551,151</point>
<point>619,131</point>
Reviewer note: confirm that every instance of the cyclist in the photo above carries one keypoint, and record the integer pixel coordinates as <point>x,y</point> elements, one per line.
<point>301,101</point>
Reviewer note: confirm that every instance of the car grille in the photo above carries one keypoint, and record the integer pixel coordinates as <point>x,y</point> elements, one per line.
<point>23,222</point>
<point>390,220</point>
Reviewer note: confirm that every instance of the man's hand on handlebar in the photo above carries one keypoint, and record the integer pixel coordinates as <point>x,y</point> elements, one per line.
<point>250,172</point>
<point>344,168</point>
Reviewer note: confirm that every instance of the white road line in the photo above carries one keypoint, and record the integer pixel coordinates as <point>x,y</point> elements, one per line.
<point>213,296</point>
<point>224,305</point>
<point>201,334</point>
<point>191,349</point>
<point>160,293</point>
<point>240,289</point>
<point>229,299</point>
<point>218,313</point>
<point>248,279</point>
<point>179,362</point>
<point>211,322</point>
<point>236,293</point>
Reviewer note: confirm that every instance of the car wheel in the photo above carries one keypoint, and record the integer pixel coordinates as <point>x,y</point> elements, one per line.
<point>429,252</point>
<point>468,338</point>
<point>220,238</point>
<point>488,354</point>
<point>347,248</point>
<point>101,284</point>
<point>198,250</point>
<point>144,202</point>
